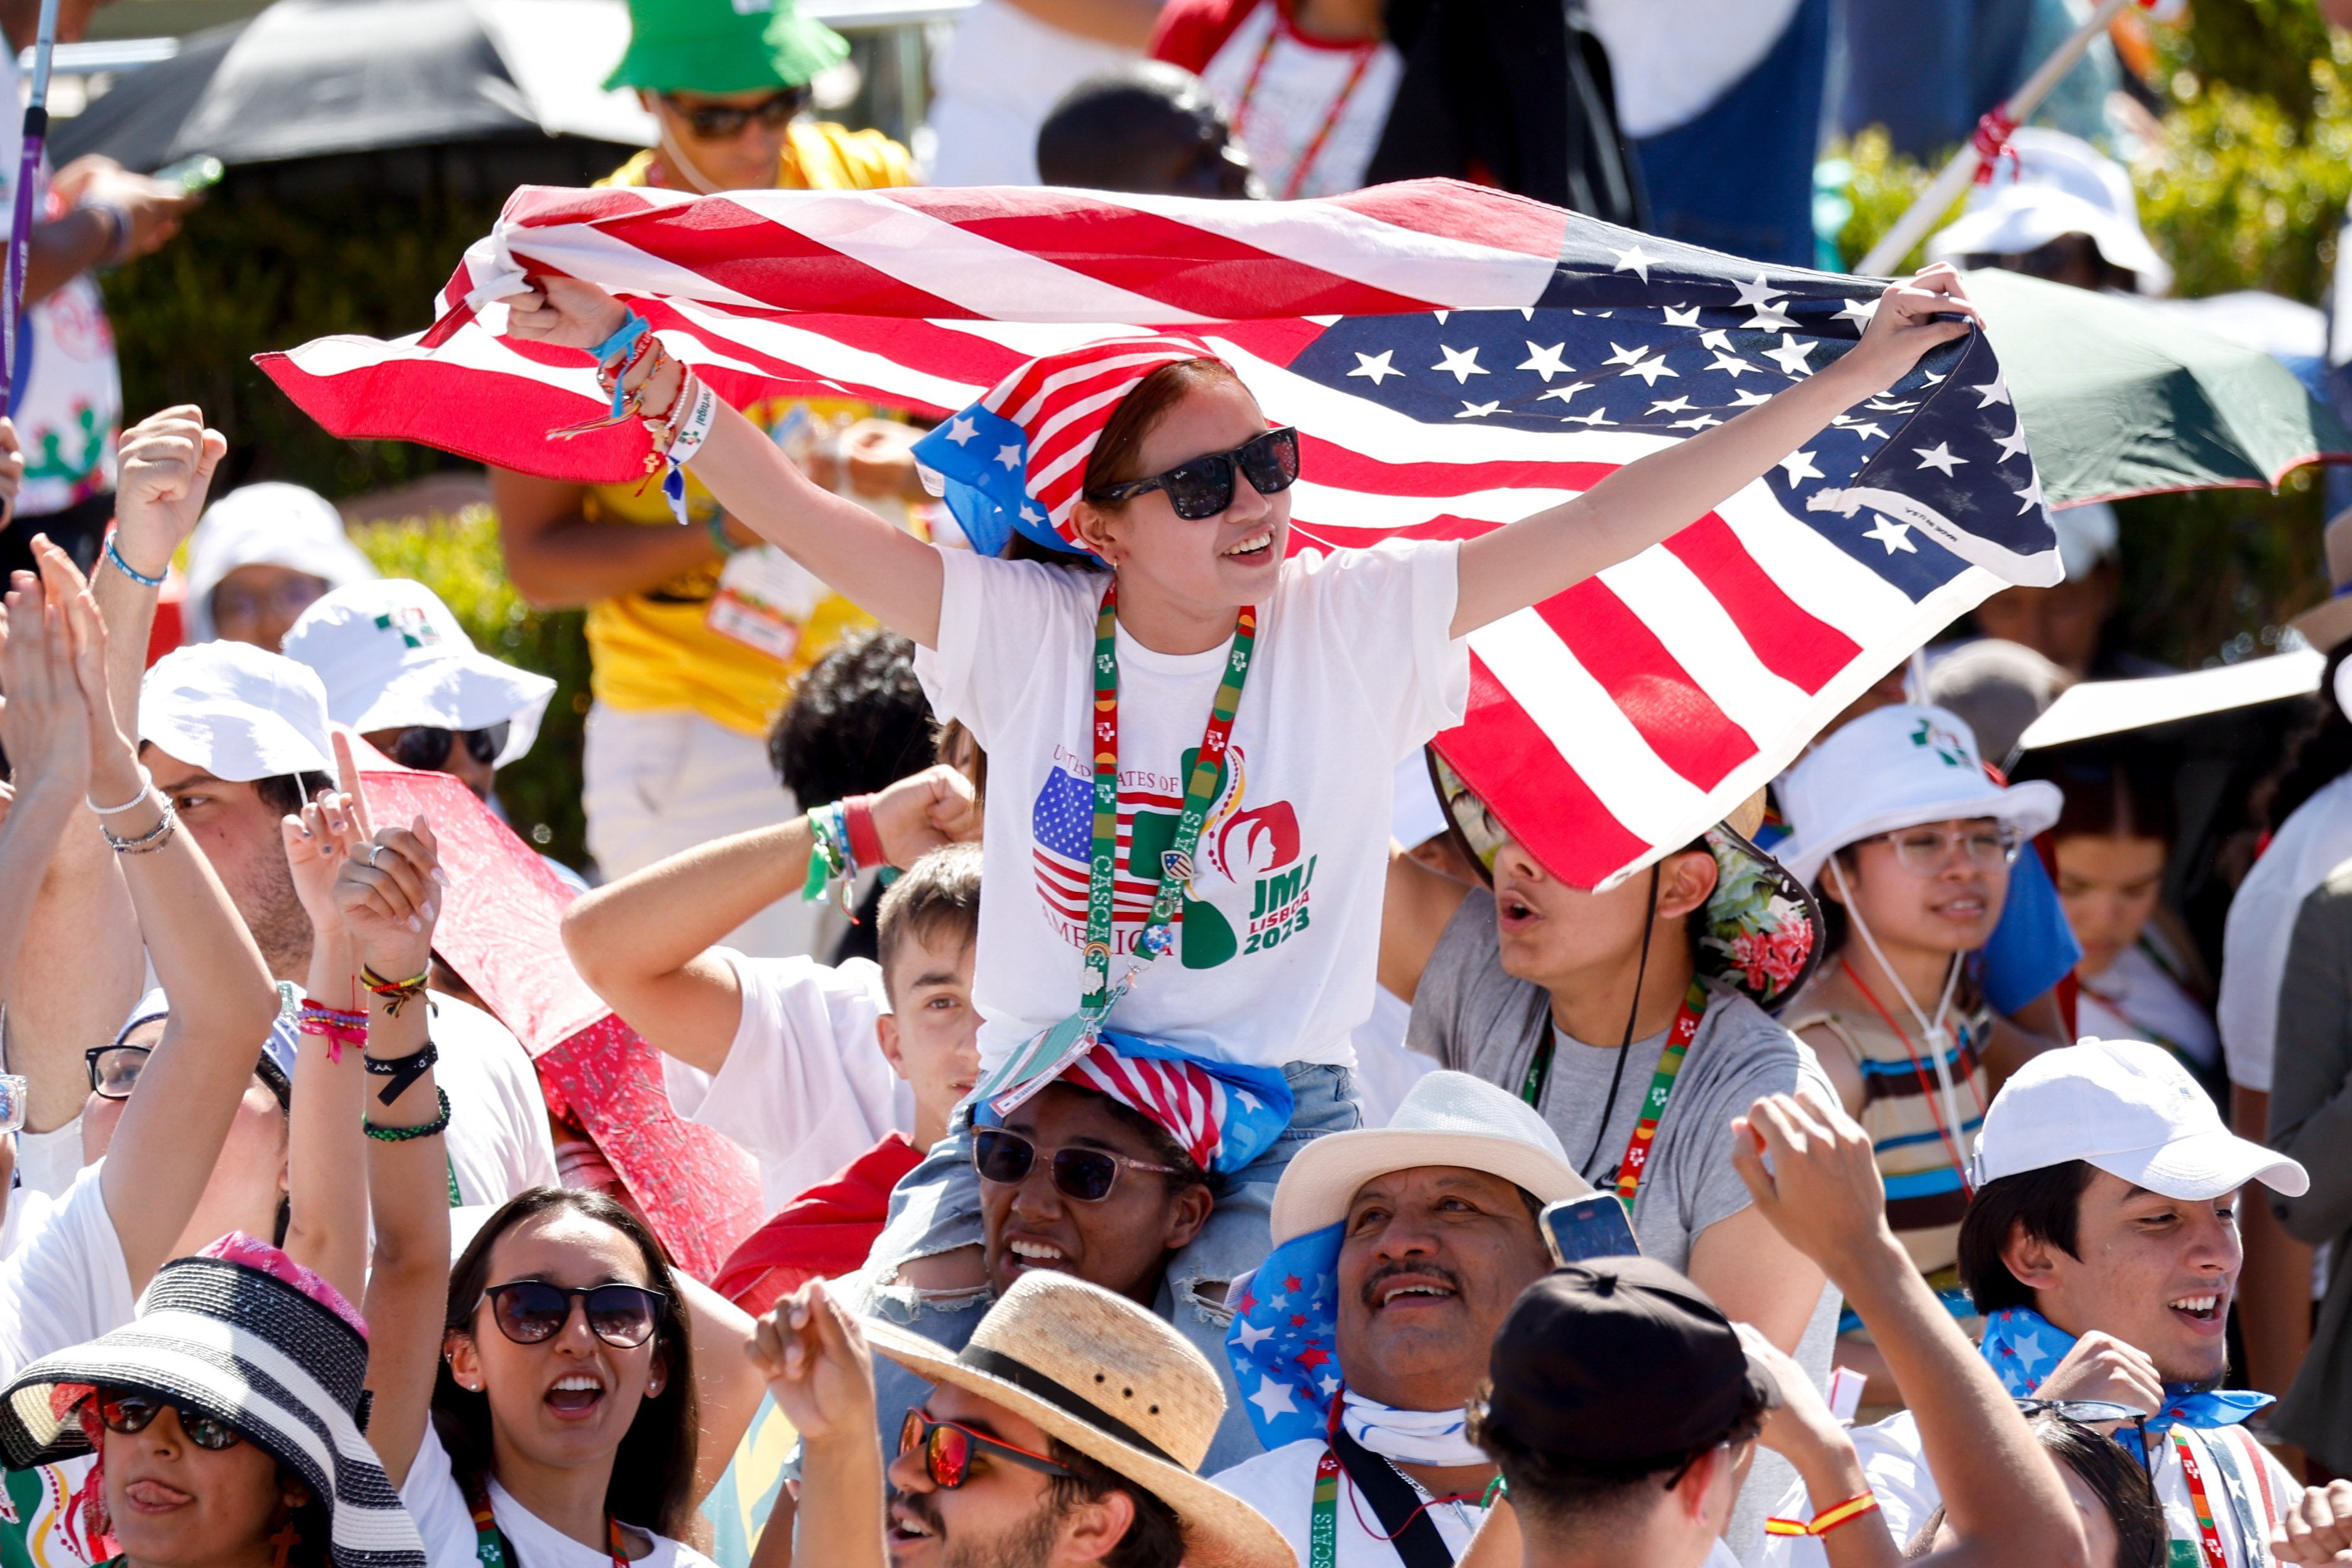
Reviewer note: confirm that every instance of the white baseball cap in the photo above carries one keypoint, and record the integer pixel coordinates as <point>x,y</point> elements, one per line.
<point>266,524</point>
<point>237,712</point>
<point>392,655</point>
<point>2131,1110</point>
<point>1445,1119</point>
<point>2048,184</point>
<point>1892,768</point>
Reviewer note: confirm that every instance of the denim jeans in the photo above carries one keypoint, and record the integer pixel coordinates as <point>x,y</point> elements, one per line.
<point>936,1210</point>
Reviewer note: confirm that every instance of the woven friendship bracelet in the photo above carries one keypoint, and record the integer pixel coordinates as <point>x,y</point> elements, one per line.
<point>395,992</point>
<point>1827,1520</point>
<point>432,1128</point>
<point>338,1028</point>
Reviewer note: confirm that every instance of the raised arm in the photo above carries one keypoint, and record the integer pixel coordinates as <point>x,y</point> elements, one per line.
<point>1645,502</point>
<point>817,1365</point>
<point>894,576</point>
<point>222,997</point>
<point>389,899</point>
<point>727,1385</point>
<point>2002,1494</point>
<point>642,943</point>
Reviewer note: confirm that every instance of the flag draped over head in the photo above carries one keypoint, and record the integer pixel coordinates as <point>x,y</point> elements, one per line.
<point>1221,1114</point>
<point>1454,358</point>
<point>1285,1339</point>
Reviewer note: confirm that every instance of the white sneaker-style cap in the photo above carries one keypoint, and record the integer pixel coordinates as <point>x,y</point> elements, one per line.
<point>2131,1110</point>
<point>237,712</point>
<point>393,655</point>
<point>1894,768</point>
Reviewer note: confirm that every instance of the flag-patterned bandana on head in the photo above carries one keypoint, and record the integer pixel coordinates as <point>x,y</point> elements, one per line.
<point>1221,1114</point>
<point>1285,1339</point>
<point>1016,460</point>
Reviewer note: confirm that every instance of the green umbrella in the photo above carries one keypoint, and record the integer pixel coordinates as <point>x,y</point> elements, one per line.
<point>2119,400</point>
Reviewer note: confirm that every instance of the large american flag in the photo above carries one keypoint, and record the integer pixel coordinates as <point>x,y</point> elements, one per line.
<point>1454,358</point>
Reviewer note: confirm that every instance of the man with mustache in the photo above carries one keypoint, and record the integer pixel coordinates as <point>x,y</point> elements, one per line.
<point>1402,1249</point>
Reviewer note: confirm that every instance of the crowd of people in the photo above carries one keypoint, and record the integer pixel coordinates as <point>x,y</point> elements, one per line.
<point>1875,1177</point>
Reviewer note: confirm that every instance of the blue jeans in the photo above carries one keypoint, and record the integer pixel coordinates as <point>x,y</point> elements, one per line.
<point>936,1210</point>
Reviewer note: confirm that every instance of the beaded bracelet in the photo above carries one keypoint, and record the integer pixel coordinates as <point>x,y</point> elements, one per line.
<point>395,992</point>
<point>146,783</point>
<point>147,843</point>
<point>432,1128</point>
<point>1496,1487</point>
<point>338,1028</point>
<point>401,1070</point>
<point>1827,1520</point>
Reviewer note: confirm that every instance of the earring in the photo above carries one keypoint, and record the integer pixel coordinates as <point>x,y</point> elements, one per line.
<point>287,1538</point>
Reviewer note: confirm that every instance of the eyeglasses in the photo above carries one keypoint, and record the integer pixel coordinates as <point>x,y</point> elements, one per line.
<point>126,1412</point>
<point>1204,486</point>
<point>725,121</point>
<point>114,1069</point>
<point>533,1312</point>
<point>1085,1174</point>
<point>2094,1413</point>
<point>948,1449</point>
<point>1925,851</point>
<point>427,749</point>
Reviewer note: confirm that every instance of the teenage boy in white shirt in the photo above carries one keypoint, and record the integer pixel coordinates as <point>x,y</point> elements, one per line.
<point>2102,1247</point>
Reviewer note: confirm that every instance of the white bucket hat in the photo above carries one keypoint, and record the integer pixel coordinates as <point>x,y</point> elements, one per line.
<point>1447,1119</point>
<point>267,524</point>
<point>1896,767</point>
<point>2048,184</point>
<point>2131,1110</point>
<point>237,712</point>
<point>393,655</point>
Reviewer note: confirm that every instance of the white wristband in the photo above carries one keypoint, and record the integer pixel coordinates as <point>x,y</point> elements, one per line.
<point>700,414</point>
<point>146,786</point>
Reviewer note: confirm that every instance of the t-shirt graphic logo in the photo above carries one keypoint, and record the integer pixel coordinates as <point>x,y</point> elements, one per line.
<point>1946,744</point>
<point>409,621</point>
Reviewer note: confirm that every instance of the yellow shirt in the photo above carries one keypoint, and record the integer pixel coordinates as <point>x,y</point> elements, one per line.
<point>652,650</point>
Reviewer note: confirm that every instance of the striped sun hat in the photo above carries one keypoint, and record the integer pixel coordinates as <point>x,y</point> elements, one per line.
<point>241,1344</point>
<point>1016,460</point>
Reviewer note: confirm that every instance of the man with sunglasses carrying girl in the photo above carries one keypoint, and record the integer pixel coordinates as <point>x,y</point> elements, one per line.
<point>1190,732</point>
<point>1896,827</point>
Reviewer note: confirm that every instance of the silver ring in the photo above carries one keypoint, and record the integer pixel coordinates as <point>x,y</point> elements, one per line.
<point>374,850</point>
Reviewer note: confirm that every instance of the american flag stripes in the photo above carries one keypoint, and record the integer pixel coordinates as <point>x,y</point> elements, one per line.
<point>1454,358</point>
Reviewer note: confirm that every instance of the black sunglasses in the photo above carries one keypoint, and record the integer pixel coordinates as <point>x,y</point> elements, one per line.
<point>1204,486</point>
<point>114,1069</point>
<point>126,1412</point>
<point>533,1312</point>
<point>725,121</point>
<point>1085,1174</point>
<point>425,748</point>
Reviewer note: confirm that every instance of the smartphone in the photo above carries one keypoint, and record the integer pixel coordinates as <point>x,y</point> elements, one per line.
<point>14,1091</point>
<point>1594,1225</point>
<point>199,173</point>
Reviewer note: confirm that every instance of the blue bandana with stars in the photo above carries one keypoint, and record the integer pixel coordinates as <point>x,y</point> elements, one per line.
<point>982,460</point>
<point>1285,1339</point>
<point>2025,1347</point>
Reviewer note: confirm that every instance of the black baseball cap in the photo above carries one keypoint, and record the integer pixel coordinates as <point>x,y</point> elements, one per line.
<point>1619,1350</point>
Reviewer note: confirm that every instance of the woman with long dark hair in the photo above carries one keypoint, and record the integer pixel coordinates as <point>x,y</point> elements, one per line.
<point>561,1398</point>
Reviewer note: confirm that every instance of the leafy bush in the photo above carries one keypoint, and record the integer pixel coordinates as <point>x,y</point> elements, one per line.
<point>457,558</point>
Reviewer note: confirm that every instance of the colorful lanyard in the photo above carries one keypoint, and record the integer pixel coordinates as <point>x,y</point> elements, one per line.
<point>1199,792</point>
<point>1323,1523</point>
<point>1949,1135</point>
<point>1298,171</point>
<point>2207,1532</point>
<point>1653,1105</point>
<point>490,1541</point>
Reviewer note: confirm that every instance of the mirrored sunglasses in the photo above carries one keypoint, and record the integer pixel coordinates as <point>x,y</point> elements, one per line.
<point>1084,1174</point>
<point>948,1449</point>
<point>1203,487</point>
<point>533,1312</point>
<point>126,1412</point>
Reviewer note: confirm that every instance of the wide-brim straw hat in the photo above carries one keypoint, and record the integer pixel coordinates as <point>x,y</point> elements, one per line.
<point>2329,622</point>
<point>1116,1382</point>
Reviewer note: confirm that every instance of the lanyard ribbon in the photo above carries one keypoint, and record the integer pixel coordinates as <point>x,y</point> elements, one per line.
<point>1653,1105</point>
<point>2207,1532</point>
<point>490,1541</point>
<point>1043,1058</point>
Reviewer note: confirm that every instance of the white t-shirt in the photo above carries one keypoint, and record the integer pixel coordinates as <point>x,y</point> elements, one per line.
<point>991,87</point>
<point>1353,668</point>
<point>49,1161</point>
<point>1281,1486</point>
<point>72,404</point>
<point>437,1503</point>
<point>1280,98</point>
<point>65,1281</point>
<point>805,1088</point>
<point>2312,842</point>
<point>499,1140</point>
<point>2135,998</point>
<point>1896,1462</point>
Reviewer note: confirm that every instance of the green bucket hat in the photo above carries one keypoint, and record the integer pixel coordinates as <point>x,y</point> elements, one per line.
<point>723,46</point>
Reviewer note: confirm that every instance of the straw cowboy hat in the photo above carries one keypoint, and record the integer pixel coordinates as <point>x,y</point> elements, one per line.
<point>1117,1383</point>
<point>1447,1119</point>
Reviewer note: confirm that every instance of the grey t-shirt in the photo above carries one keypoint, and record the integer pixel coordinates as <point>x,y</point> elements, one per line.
<point>1474,1018</point>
